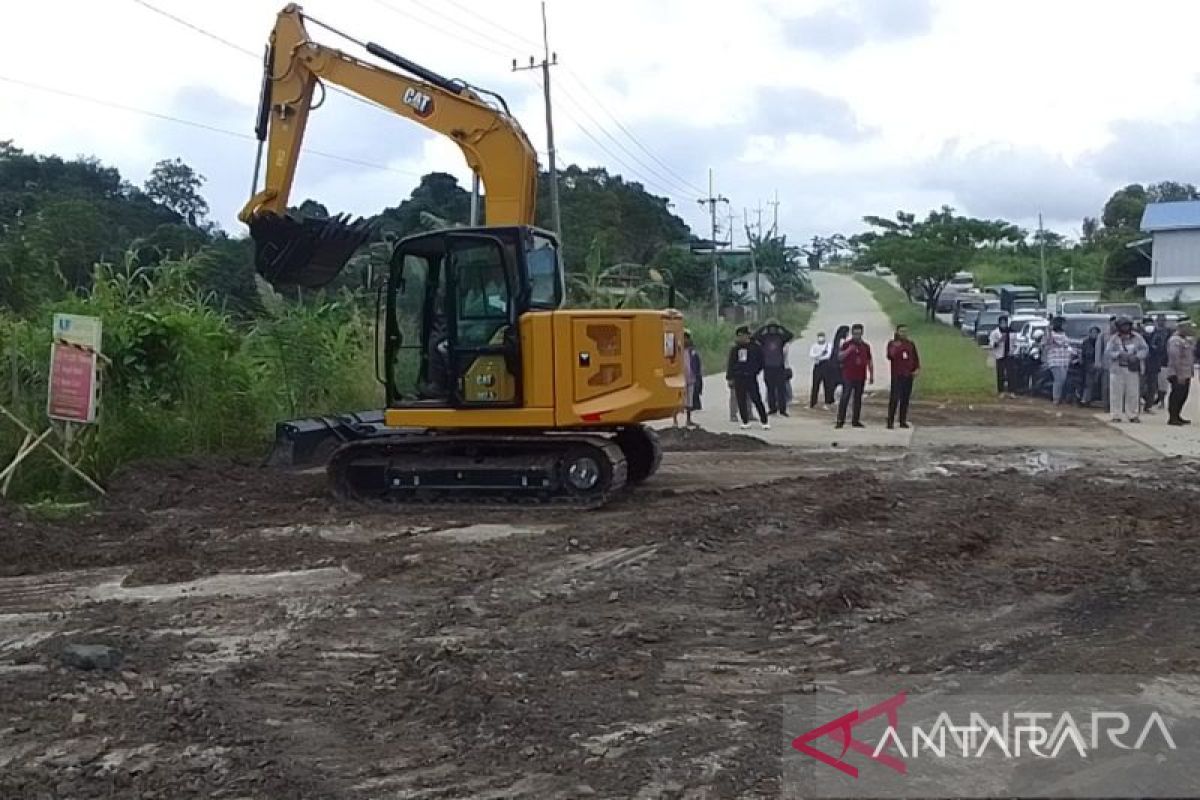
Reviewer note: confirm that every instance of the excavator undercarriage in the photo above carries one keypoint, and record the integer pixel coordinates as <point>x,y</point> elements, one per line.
<point>573,468</point>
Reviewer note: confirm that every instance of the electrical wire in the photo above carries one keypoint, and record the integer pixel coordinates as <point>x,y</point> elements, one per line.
<point>193,124</point>
<point>677,186</point>
<point>632,172</point>
<point>663,171</point>
<point>457,36</point>
<point>246,51</point>
<point>579,81</point>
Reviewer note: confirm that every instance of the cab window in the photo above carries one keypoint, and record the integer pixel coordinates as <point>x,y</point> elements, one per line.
<point>545,287</point>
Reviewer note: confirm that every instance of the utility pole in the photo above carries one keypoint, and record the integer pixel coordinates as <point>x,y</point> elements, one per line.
<point>711,201</point>
<point>548,60</point>
<point>729,219</point>
<point>774,204</point>
<point>1042,249</point>
<point>754,268</point>
<point>759,227</point>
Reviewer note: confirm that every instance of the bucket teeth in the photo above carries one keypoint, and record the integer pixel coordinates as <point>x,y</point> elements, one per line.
<point>308,253</point>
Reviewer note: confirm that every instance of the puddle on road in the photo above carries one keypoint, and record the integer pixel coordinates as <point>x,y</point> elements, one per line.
<point>489,531</point>
<point>1040,462</point>
<point>234,584</point>
<point>351,532</point>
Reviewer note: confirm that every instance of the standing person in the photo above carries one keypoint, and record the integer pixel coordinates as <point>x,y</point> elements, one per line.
<point>1092,372</point>
<point>1126,354</point>
<point>1181,362</point>
<point>835,360</point>
<point>820,354</point>
<point>1058,357</point>
<point>905,363</point>
<point>1157,337</point>
<point>1003,344</point>
<point>773,339</point>
<point>857,369</point>
<point>745,362</point>
<point>693,380</point>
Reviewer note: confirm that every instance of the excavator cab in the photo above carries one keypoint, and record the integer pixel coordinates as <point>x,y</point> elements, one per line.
<point>454,303</point>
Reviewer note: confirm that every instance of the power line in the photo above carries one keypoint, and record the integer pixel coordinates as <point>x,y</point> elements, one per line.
<point>667,174</point>
<point>196,28</point>
<point>193,124</point>
<point>678,186</point>
<point>246,51</point>
<point>454,35</point>
<point>670,171</point>
<point>525,41</point>
<point>620,162</point>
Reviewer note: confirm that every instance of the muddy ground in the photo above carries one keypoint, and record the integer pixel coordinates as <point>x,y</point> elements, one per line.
<point>278,644</point>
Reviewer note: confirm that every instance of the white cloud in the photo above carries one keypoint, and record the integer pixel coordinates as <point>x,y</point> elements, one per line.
<point>847,107</point>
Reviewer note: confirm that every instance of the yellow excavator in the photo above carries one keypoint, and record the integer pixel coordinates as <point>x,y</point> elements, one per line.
<point>494,389</point>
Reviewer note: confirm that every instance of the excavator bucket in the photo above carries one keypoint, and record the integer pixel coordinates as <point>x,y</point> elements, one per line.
<point>305,252</point>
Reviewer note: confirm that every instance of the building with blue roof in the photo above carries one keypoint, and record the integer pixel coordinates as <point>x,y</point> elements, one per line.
<point>1174,230</point>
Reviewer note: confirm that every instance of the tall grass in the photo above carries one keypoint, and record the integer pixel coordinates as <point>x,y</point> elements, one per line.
<point>182,377</point>
<point>952,366</point>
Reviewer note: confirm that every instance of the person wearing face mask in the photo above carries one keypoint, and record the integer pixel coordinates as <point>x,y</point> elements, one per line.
<point>1126,353</point>
<point>821,353</point>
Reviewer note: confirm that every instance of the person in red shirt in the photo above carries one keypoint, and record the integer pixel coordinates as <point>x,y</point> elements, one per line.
<point>857,369</point>
<point>906,363</point>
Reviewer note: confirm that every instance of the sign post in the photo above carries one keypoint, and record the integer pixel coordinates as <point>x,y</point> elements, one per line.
<point>72,397</point>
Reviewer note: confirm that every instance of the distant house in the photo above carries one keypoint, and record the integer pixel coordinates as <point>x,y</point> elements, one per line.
<point>750,285</point>
<point>1174,230</point>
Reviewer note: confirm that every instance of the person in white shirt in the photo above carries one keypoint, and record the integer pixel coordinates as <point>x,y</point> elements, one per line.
<point>1002,342</point>
<point>820,354</point>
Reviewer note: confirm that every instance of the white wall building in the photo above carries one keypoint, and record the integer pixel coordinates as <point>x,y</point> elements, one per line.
<point>1174,229</point>
<point>749,285</point>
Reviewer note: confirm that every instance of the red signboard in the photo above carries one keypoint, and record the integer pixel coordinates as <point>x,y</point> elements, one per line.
<point>72,383</point>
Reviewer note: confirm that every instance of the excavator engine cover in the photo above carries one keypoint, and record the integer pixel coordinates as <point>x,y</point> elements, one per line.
<point>308,253</point>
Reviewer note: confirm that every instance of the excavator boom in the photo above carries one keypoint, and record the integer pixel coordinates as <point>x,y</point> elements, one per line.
<point>311,253</point>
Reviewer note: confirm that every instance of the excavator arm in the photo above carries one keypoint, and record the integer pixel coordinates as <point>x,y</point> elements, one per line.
<point>312,252</point>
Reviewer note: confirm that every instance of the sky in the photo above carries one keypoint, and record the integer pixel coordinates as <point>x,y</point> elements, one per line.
<point>839,108</point>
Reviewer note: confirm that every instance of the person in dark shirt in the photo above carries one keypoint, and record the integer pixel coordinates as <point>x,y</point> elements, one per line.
<point>773,339</point>
<point>741,372</point>
<point>857,368</point>
<point>906,363</point>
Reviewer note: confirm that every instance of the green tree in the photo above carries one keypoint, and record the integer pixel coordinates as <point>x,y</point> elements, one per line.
<point>176,186</point>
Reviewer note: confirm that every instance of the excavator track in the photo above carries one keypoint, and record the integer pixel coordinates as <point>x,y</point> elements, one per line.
<point>583,470</point>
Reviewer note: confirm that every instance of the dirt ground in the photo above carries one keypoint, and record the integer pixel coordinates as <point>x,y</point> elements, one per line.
<point>278,644</point>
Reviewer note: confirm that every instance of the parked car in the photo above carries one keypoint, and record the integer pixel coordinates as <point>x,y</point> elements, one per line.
<point>1131,310</point>
<point>987,321</point>
<point>882,272</point>
<point>968,321</point>
<point>976,301</point>
<point>1173,318</point>
<point>961,283</point>
<point>1027,334</point>
<point>1076,326</point>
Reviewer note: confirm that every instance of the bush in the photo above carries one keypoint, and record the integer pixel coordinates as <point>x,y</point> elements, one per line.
<point>181,376</point>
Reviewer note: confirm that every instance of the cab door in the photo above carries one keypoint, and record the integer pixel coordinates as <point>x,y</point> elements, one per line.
<point>485,353</point>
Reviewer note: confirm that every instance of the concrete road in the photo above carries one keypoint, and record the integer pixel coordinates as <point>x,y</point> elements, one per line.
<point>843,301</point>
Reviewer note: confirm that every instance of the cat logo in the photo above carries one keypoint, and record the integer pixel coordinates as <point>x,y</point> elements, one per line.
<point>418,101</point>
